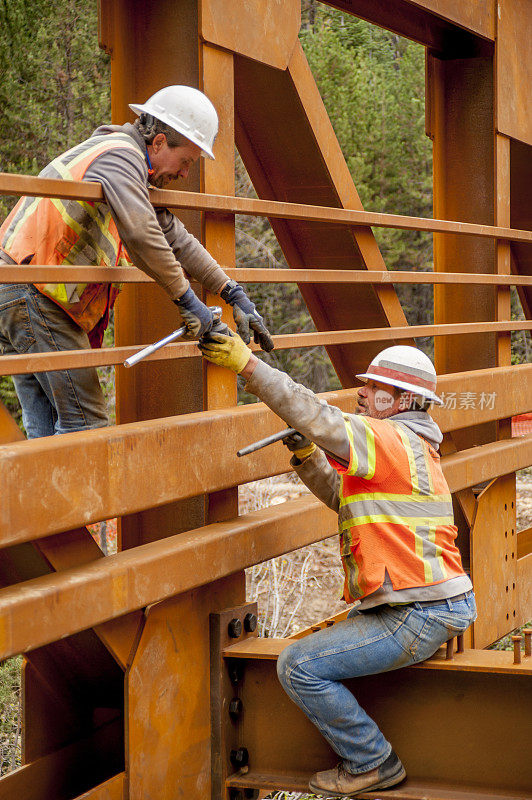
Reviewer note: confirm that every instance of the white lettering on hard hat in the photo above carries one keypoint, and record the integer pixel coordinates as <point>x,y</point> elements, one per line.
<point>383,400</point>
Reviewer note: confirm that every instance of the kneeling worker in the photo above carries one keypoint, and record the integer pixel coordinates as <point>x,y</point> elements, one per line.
<point>380,470</point>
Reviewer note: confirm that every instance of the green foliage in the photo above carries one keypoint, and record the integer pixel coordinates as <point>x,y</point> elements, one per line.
<point>10,399</point>
<point>10,716</point>
<point>506,642</point>
<point>521,345</point>
<point>55,81</point>
<point>54,91</point>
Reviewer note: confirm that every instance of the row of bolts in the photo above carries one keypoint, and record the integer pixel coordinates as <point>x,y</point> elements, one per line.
<point>517,645</point>
<point>515,639</point>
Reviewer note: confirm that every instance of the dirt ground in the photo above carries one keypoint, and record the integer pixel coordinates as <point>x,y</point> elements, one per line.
<point>304,586</point>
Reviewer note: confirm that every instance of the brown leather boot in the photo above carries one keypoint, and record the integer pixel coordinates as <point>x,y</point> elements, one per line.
<point>338,782</point>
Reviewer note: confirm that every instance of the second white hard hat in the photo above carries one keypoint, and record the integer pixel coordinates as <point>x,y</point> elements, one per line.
<point>407,368</point>
<point>187,110</point>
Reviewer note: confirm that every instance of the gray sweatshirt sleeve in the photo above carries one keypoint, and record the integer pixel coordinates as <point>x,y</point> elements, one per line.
<point>301,409</point>
<point>322,480</point>
<point>197,261</point>
<point>153,242</point>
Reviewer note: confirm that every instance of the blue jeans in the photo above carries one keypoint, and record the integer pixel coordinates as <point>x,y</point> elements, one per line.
<point>366,643</point>
<point>52,402</point>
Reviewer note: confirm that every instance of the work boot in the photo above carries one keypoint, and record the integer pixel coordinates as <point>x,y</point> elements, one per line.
<point>338,782</point>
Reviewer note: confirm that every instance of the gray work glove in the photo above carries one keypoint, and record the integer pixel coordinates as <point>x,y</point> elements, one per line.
<point>299,445</point>
<point>246,316</point>
<point>196,316</point>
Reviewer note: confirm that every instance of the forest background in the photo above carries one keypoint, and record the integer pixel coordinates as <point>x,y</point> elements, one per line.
<point>55,90</point>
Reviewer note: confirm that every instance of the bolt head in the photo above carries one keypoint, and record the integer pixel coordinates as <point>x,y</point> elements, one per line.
<point>236,670</point>
<point>250,623</point>
<point>235,628</point>
<point>239,758</point>
<point>235,708</point>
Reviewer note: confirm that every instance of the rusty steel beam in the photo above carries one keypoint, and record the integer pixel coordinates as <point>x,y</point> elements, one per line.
<point>498,662</point>
<point>452,27</point>
<point>74,768</point>
<point>524,543</point>
<point>30,185</point>
<point>106,356</point>
<point>477,750</point>
<point>493,561</point>
<point>274,209</point>
<point>168,726</point>
<point>524,590</point>
<point>507,386</point>
<point>98,490</point>
<point>113,789</point>
<point>53,606</point>
<point>39,273</point>
<point>487,461</point>
<point>309,153</point>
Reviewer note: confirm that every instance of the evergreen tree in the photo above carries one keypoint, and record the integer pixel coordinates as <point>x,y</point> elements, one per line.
<point>54,91</point>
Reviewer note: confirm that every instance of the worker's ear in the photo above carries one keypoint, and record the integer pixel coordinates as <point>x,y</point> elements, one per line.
<point>158,141</point>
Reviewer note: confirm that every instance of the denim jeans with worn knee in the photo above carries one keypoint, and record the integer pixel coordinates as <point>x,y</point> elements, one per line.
<point>379,640</point>
<point>52,402</point>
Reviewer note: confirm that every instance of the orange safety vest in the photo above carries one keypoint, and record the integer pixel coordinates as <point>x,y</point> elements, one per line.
<point>396,512</point>
<point>51,231</point>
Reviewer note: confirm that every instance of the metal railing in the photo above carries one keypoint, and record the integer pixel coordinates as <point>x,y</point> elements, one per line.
<point>18,364</point>
<point>25,518</point>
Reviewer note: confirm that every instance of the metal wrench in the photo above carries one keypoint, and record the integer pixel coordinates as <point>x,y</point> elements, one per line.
<point>151,348</point>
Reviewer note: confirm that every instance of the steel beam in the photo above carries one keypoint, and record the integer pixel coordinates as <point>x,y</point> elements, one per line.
<point>99,490</point>
<point>451,27</point>
<point>66,772</point>
<point>74,359</point>
<point>113,789</point>
<point>524,543</point>
<point>226,627</point>
<point>145,312</point>
<point>109,588</point>
<point>505,392</point>
<point>514,70</point>
<point>39,273</point>
<point>226,204</point>
<point>494,562</point>
<point>47,608</point>
<point>473,744</point>
<point>485,462</point>
<point>167,695</point>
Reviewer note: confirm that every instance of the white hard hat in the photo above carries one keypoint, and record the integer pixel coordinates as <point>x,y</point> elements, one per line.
<point>186,110</point>
<point>407,368</point>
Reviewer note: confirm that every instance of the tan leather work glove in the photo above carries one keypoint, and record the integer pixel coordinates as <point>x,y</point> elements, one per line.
<point>226,351</point>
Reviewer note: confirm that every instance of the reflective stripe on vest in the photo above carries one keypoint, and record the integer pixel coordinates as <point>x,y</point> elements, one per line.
<point>56,231</point>
<point>396,512</point>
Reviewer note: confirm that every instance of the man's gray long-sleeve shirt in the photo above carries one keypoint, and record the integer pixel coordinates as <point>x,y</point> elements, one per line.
<point>156,241</point>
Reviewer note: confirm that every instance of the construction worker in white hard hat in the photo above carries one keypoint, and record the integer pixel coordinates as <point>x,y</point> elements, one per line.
<point>379,469</point>
<point>174,127</point>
